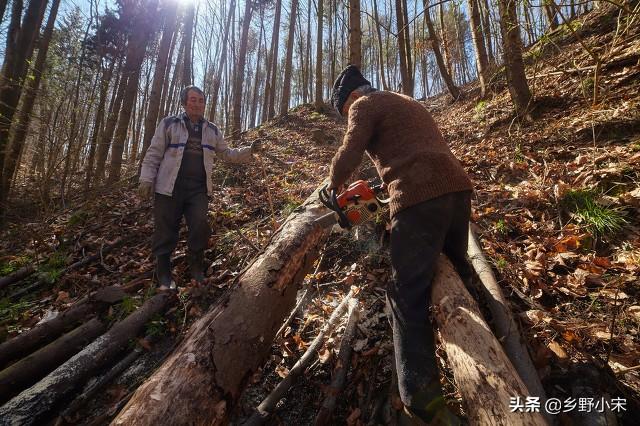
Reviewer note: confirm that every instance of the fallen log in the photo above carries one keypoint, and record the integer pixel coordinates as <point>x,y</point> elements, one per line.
<point>29,370</point>
<point>206,373</point>
<point>29,406</point>
<point>268,405</point>
<point>342,367</point>
<point>508,332</point>
<point>41,334</point>
<point>18,275</point>
<point>485,377</point>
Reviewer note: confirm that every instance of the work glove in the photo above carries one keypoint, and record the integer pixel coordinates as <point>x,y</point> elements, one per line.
<point>256,146</point>
<point>145,190</point>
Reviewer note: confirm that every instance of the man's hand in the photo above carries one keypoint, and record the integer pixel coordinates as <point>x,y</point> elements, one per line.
<point>145,190</point>
<point>256,146</point>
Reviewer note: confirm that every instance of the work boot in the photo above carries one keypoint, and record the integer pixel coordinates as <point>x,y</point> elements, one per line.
<point>196,265</point>
<point>163,272</point>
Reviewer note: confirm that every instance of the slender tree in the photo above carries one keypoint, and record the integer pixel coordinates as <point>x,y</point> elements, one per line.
<point>187,74</point>
<point>355,34</point>
<point>286,89</point>
<point>268,110</point>
<point>514,65</point>
<point>435,45</point>
<point>30,94</point>
<point>319,103</point>
<point>240,72</point>
<point>478,43</point>
<point>19,49</point>
<point>150,121</point>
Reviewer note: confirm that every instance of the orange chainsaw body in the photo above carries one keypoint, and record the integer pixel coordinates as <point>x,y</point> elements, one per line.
<point>358,202</point>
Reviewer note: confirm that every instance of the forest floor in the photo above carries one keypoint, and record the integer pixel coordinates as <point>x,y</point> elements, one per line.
<point>556,207</point>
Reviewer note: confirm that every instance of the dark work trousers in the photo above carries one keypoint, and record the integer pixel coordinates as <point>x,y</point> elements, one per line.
<point>189,199</point>
<point>418,235</point>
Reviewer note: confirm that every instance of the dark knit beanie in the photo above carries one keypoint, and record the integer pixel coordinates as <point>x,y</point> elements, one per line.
<point>349,79</point>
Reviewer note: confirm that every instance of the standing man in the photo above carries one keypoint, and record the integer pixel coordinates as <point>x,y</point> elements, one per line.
<point>430,208</point>
<point>177,167</point>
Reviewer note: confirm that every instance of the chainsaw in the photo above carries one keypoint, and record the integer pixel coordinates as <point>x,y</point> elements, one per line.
<point>357,204</point>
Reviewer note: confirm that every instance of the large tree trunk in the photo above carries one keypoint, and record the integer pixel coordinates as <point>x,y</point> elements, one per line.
<point>151,120</point>
<point>145,27</point>
<point>217,77</point>
<point>239,74</point>
<point>383,79</point>
<point>485,376</point>
<point>514,65</point>
<point>355,34</point>
<point>435,44</point>
<point>189,16</point>
<point>288,65</point>
<point>319,102</point>
<point>206,374</point>
<point>30,406</point>
<point>19,49</point>
<point>31,92</point>
<point>478,43</point>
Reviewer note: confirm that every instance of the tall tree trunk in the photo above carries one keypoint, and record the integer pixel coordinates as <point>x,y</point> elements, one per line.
<point>319,102</point>
<point>550,13</point>
<point>514,65</point>
<point>3,8</point>
<point>187,77</point>
<point>145,28</point>
<point>383,79</point>
<point>31,93</point>
<point>240,74</point>
<point>286,89</point>
<point>270,90</point>
<point>97,124</point>
<point>256,83</point>
<point>478,43</point>
<point>138,120</point>
<point>446,45</point>
<point>355,34</point>
<point>159,75</point>
<point>486,29</point>
<point>217,77</point>
<point>19,49</point>
<point>435,45</point>
<point>527,21</point>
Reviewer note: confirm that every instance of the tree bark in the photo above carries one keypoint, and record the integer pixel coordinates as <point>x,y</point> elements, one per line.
<point>239,73</point>
<point>514,65</point>
<point>268,107</point>
<point>383,79</point>
<point>478,43</point>
<point>550,13</point>
<point>201,375</point>
<point>19,49</point>
<point>288,65</point>
<point>486,29</point>
<point>407,88</point>
<point>355,34</point>
<point>319,101</point>
<point>29,406</point>
<point>30,369</point>
<point>151,119</point>
<point>435,45</point>
<point>145,28</point>
<point>507,330</point>
<point>485,377</point>
<point>187,77</point>
<point>31,93</point>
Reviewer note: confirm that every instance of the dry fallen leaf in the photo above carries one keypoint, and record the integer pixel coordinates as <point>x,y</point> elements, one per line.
<point>557,349</point>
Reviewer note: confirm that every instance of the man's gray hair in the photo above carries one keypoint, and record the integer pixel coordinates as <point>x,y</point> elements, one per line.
<point>184,93</point>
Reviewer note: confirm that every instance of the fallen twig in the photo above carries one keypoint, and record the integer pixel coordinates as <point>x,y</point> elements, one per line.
<point>342,366</point>
<point>268,405</point>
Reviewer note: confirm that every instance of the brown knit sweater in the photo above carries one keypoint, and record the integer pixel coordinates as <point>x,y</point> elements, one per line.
<point>404,143</point>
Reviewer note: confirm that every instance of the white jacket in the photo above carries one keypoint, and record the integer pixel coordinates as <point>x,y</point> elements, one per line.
<point>163,158</point>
